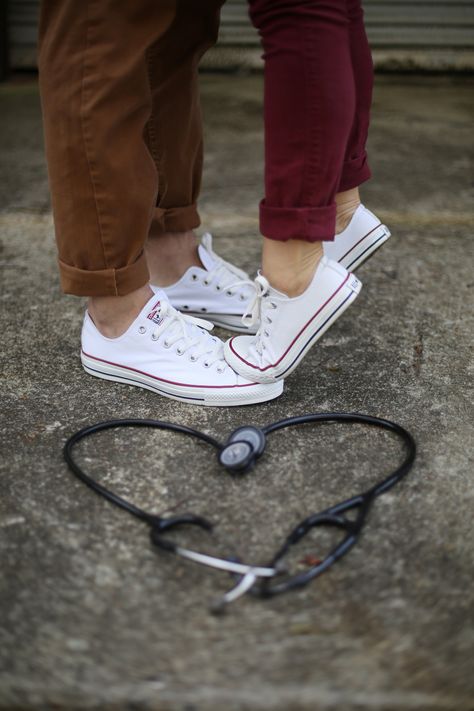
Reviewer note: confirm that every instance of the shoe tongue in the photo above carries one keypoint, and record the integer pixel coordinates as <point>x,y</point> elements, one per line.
<point>154,307</point>
<point>206,257</point>
<point>271,291</point>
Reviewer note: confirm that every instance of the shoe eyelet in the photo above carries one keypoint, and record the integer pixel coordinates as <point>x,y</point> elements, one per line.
<point>142,329</point>
<point>192,358</point>
<point>154,337</point>
<point>229,293</point>
<point>218,288</point>
<point>166,344</point>
<point>220,370</point>
<point>179,351</point>
<point>203,310</point>
<point>265,333</point>
<point>185,308</point>
<point>206,364</point>
<point>194,277</point>
<point>205,282</point>
<point>273,305</point>
<point>242,298</point>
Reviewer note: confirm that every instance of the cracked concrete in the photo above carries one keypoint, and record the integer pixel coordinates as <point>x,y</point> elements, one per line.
<point>91,616</point>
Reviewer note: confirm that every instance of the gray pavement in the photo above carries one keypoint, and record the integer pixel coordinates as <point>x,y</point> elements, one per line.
<point>91,616</point>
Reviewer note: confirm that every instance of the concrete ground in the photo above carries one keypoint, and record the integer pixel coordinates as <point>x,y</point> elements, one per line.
<point>91,616</point>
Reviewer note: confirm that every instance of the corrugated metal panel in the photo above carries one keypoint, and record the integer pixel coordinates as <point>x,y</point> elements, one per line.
<point>403,34</point>
<point>427,29</point>
<point>22,31</point>
<point>390,23</point>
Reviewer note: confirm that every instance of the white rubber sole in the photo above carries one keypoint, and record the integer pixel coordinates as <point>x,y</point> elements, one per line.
<point>232,396</point>
<point>364,249</point>
<point>307,337</point>
<point>228,321</point>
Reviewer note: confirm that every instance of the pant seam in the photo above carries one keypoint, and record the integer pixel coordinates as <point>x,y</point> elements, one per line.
<point>150,129</point>
<point>154,144</point>
<point>312,157</point>
<point>87,146</point>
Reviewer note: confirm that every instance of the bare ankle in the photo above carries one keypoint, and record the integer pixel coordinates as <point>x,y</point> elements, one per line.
<point>113,315</point>
<point>290,266</point>
<point>347,203</point>
<point>170,255</point>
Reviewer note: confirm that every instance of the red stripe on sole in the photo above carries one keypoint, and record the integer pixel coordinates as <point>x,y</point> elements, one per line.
<point>163,380</point>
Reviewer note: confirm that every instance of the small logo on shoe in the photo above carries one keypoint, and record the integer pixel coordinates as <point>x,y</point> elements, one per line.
<point>155,312</point>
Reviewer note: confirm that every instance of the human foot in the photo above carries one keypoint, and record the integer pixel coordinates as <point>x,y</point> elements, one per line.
<point>290,266</point>
<point>364,234</point>
<point>290,326</point>
<point>112,315</point>
<point>169,255</point>
<point>171,354</point>
<point>214,289</point>
<point>347,203</point>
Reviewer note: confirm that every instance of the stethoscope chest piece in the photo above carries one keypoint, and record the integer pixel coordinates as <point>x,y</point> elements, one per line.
<point>242,449</point>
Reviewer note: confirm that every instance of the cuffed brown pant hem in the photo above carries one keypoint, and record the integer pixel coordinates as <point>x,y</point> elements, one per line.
<point>104,282</point>
<point>174,219</point>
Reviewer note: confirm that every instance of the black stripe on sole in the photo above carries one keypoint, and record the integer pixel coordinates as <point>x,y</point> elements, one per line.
<point>350,266</point>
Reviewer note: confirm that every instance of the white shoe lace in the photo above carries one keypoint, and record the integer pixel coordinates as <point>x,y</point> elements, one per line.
<point>257,312</point>
<point>226,276</point>
<point>190,335</point>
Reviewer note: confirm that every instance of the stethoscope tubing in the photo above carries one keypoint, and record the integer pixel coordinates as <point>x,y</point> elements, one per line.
<point>114,424</point>
<point>260,580</point>
<point>334,515</point>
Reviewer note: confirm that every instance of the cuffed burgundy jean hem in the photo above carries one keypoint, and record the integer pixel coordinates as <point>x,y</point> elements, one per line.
<point>311,224</point>
<point>355,172</point>
<point>104,282</point>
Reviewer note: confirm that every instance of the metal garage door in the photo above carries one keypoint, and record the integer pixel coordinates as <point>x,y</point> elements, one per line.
<point>405,34</point>
<point>437,34</point>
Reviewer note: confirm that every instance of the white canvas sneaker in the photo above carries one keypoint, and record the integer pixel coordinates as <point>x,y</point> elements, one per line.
<point>218,291</point>
<point>172,354</point>
<point>290,326</point>
<point>362,237</point>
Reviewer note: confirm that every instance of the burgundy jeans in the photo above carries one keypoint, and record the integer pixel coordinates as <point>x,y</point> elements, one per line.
<point>318,91</point>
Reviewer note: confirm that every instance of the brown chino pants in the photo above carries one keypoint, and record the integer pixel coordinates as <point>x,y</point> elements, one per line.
<point>122,124</point>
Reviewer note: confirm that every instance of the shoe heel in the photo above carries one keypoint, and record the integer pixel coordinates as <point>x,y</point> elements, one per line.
<point>365,248</point>
<point>354,284</point>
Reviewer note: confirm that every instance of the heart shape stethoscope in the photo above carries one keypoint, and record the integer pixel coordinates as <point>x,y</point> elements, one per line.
<point>239,454</point>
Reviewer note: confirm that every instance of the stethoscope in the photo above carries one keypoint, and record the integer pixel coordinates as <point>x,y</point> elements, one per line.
<point>239,453</point>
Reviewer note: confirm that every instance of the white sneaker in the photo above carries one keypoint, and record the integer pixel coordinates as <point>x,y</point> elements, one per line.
<point>172,354</point>
<point>218,291</point>
<point>362,237</point>
<point>289,327</point>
